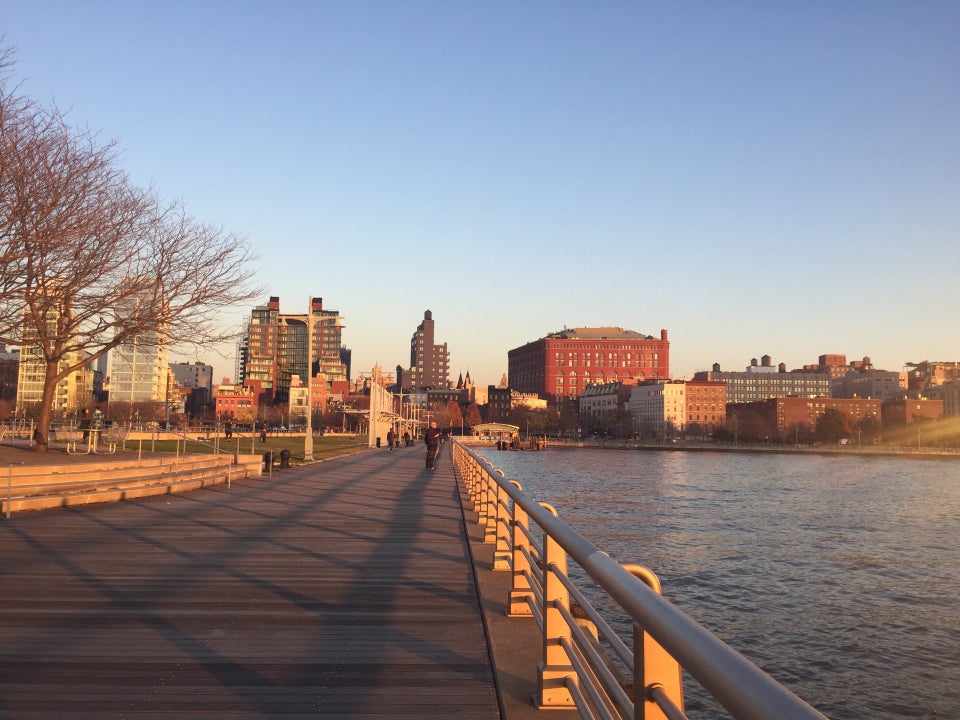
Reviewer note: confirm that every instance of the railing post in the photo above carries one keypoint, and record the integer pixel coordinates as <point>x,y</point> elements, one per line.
<point>520,590</point>
<point>476,486</point>
<point>490,509</point>
<point>501,553</point>
<point>555,667</point>
<point>655,671</point>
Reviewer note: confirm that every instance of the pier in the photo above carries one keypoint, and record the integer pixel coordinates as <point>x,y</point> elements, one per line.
<point>339,589</point>
<point>363,586</point>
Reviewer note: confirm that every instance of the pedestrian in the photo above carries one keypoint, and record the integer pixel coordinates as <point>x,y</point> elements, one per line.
<point>85,423</point>
<point>432,439</point>
<point>228,430</point>
<point>406,439</point>
<point>263,433</point>
<point>390,439</point>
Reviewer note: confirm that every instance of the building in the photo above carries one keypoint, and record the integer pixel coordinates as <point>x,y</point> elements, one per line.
<point>923,375</point>
<point>429,361</point>
<point>9,369</point>
<point>786,415</point>
<point>139,367</point>
<point>562,364</point>
<point>139,371</point>
<point>909,411</point>
<point>868,382</point>
<point>658,408</point>
<point>497,409</point>
<point>237,403</point>
<point>949,394</point>
<point>195,383</point>
<point>193,375</point>
<point>275,348</point>
<point>706,403</point>
<point>764,380</point>
<point>676,406</point>
<point>73,391</point>
<point>598,403</point>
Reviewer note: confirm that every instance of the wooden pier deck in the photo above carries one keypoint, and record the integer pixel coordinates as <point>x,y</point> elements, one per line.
<point>342,589</point>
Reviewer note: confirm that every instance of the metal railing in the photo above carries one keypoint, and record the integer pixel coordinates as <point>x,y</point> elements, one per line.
<point>584,663</point>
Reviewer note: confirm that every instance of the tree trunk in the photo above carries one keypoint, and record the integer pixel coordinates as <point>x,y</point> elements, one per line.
<point>50,383</point>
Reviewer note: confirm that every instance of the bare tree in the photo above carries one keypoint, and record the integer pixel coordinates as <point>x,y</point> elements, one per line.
<point>90,262</point>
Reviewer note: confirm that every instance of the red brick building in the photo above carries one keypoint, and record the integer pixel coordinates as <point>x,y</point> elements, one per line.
<point>563,363</point>
<point>785,414</point>
<point>706,403</point>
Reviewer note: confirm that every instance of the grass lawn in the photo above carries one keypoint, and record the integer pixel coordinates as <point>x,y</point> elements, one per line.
<point>323,447</point>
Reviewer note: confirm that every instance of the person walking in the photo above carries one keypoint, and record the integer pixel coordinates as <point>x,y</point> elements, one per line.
<point>432,439</point>
<point>390,439</point>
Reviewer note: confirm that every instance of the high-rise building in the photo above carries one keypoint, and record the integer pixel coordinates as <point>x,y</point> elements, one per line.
<point>73,391</point>
<point>563,363</point>
<point>274,348</point>
<point>139,371</point>
<point>139,367</point>
<point>429,361</point>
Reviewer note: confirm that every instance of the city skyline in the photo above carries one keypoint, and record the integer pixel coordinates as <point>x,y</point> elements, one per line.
<point>756,178</point>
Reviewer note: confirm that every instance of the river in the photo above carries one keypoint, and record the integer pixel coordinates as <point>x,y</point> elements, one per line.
<point>838,575</point>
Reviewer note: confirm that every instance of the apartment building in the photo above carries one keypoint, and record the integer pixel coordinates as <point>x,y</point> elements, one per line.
<point>429,360</point>
<point>763,380</point>
<point>275,348</point>
<point>562,364</point>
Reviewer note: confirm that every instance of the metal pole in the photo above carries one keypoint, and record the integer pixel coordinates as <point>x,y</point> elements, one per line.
<point>308,437</point>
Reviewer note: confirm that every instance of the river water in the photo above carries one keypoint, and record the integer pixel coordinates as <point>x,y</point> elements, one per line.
<point>839,576</point>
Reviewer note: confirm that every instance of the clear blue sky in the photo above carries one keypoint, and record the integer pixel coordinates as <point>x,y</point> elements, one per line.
<point>762,177</point>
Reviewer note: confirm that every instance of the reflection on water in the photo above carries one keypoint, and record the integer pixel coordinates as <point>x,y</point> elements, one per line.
<point>839,576</point>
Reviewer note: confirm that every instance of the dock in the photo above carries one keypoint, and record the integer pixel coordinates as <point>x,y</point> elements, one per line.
<point>340,589</point>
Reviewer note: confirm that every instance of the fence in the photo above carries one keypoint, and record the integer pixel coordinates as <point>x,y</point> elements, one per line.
<point>584,663</point>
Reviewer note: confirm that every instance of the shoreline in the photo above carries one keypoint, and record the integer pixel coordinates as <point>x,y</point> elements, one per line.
<point>922,453</point>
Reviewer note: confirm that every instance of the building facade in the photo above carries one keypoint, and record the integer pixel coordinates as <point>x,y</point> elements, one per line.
<point>764,380</point>
<point>275,348</point>
<point>870,383</point>
<point>9,369</point>
<point>139,370</point>
<point>73,391</point>
<point>658,408</point>
<point>429,360</point>
<point>949,394</point>
<point>923,375</point>
<point>706,403</point>
<point>562,364</point>
<point>790,414</point>
<point>678,405</point>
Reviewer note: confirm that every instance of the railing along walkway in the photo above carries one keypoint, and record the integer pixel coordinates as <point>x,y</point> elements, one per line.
<point>334,590</point>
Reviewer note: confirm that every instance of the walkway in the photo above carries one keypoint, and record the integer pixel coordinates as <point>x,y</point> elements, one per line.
<point>342,589</point>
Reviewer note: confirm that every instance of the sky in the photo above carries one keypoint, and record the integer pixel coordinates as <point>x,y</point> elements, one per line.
<point>758,178</point>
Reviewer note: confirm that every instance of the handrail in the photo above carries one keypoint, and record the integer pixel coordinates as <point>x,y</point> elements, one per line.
<point>665,639</point>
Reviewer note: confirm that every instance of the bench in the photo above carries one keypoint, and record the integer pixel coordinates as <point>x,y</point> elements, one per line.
<point>113,437</point>
<point>73,440</point>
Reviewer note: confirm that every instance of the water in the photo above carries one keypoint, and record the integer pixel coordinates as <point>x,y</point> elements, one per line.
<point>839,576</point>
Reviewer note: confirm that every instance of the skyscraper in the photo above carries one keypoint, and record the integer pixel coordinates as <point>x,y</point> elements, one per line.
<point>429,362</point>
<point>274,348</point>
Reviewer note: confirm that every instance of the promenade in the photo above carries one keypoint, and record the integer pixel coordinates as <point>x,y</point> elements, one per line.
<point>340,589</point>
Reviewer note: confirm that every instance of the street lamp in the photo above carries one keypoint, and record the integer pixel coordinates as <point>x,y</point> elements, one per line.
<point>308,438</point>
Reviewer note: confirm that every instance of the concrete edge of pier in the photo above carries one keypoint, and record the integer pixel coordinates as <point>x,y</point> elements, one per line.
<point>514,643</point>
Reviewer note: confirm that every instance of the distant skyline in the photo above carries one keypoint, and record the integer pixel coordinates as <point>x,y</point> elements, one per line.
<point>757,178</point>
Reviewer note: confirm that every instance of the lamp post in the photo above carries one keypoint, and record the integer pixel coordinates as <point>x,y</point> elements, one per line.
<point>308,438</point>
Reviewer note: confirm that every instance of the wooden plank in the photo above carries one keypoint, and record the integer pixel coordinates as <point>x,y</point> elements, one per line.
<point>342,589</point>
